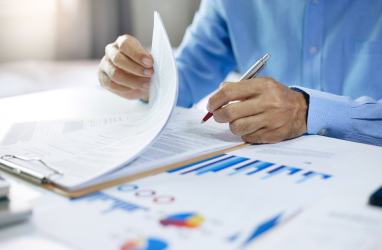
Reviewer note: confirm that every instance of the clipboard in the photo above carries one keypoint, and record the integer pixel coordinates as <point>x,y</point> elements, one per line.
<point>39,179</point>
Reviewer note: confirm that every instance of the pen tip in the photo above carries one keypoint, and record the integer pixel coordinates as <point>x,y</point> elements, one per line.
<point>202,122</point>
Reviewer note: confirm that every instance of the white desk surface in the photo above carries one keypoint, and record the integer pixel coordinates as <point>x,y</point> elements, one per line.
<point>92,101</point>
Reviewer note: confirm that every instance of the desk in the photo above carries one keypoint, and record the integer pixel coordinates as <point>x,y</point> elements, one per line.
<point>91,101</point>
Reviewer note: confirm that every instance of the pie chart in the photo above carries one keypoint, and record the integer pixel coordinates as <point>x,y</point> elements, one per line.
<point>144,244</point>
<point>188,220</point>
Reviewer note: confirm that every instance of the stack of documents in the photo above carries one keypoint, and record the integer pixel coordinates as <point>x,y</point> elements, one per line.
<point>75,158</point>
<point>224,202</point>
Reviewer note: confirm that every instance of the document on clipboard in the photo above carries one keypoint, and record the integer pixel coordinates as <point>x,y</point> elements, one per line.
<point>86,157</point>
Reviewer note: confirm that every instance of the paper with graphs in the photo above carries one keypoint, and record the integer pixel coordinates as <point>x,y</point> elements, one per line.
<point>225,202</point>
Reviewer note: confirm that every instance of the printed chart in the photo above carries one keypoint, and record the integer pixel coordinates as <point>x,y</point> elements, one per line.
<point>224,202</point>
<point>142,243</point>
<point>250,167</point>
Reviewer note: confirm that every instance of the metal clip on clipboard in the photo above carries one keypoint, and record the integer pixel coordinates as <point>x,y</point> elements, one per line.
<point>26,172</point>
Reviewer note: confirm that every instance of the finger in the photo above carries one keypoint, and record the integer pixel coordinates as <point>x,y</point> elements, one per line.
<point>238,110</point>
<point>107,83</point>
<point>123,78</point>
<point>239,91</point>
<point>267,119</point>
<point>131,47</point>
<point>267,136</point>
<point>248,125</point>
<point>123,62</point>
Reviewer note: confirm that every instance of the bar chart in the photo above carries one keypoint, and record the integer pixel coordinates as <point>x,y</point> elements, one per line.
<point>242,165</point>
<point>115,203</point>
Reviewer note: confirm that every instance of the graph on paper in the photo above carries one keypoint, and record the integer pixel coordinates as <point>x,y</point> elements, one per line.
<point>236,165</point>
<point>115,203</point>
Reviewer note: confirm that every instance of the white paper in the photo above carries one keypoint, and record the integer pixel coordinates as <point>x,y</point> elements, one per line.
<point>226,205</point>
<point>183,138</point>
<point>69,152</point>
<point>299,151</point>
<point>30,131</point>
<point>333,224</point>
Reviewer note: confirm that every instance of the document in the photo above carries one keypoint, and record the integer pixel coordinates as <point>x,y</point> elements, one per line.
<point>183,138</point>
<point>332,224</point>
<point>30,131</point>
<point>72,152</point>
<point>224,202</point>
<point>299,151</point>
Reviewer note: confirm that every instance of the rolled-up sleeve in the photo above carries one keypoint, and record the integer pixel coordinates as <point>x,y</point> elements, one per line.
<point>340,117</point>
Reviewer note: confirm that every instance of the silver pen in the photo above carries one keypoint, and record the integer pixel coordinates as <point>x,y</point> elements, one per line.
<point>251,73</point>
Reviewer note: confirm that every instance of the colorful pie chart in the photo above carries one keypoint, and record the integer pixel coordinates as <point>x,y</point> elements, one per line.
<point>189,220</point>
<point>144,244</point>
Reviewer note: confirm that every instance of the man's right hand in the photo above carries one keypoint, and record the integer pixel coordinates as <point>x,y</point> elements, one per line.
<point>126,69</point>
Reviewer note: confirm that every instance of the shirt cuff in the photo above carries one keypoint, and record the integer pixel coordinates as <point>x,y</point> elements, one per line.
<point>328,114</point>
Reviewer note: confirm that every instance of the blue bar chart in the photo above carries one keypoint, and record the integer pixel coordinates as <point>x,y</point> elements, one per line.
<point>115,202</point>
<point>258,165</point>
<point>312,174</point>
<point>196,163</point>
<point>289,170</point>
<point>246,166</point>
<point>218,165</point>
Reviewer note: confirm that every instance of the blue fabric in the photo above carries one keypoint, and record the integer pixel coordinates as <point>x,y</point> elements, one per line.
<point>332,49</point>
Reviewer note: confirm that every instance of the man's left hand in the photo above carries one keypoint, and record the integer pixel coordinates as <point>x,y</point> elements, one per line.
<point>268,111</point>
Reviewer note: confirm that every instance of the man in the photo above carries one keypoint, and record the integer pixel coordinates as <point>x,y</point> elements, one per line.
<point>332,50</point>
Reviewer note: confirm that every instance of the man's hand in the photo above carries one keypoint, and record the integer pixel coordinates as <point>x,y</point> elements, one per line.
<point>269,112</point>
<point>126,68</point>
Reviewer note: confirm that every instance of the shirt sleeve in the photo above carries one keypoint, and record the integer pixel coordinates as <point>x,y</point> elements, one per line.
<point>340,117</point>
<point>205,56</point>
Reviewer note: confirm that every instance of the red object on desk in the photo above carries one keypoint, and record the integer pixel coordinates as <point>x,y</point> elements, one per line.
<point>208,116</point>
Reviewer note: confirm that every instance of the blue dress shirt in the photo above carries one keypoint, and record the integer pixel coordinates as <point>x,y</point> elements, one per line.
<point>332,50</point>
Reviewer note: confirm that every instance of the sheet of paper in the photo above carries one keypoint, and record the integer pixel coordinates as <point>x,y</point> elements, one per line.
<point>69,152</point>
<point>30,131</point>
<point>299,151</point>
<point>332,224</point>
<point>221,203</point>
<point>183,138</point>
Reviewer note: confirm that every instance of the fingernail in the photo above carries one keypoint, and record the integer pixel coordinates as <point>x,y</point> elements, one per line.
<point>147,61</point>
<point>148,72</point>
<point>208,107</point>
<point>146,85</point>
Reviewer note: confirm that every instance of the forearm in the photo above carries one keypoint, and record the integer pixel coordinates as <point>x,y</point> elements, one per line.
<point>340,117</point>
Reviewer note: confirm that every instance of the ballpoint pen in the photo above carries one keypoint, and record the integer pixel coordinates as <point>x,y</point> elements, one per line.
<point>251,73</point>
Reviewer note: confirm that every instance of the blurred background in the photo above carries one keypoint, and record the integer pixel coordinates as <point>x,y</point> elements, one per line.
<point>48,44</point>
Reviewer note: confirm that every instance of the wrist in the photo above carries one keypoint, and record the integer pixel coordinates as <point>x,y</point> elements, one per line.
<point>304,101</point>
<point>305,95</point>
